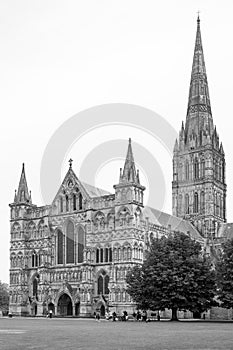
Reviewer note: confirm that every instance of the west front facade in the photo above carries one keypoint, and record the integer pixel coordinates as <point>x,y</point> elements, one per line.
<point>72,256</point>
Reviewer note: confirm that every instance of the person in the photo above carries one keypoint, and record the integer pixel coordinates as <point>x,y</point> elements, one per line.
<point>138,315</point>
<point>126,315</point>
<point>158,317</point>
<point>50,313</point>
<point>134,315</point>
<point>98,316</point>
<point>114,316</point>
<point>144,315</point>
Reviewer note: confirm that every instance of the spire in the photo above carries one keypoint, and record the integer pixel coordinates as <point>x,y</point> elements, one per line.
<point>129,172</point>
<point>199,91</point>
<point>199,115</point>
<point>176,147</point>
<point>23,195</point>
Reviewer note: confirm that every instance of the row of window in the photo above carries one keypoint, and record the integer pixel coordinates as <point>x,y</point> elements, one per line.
<point>103,255</point>
<point>199,204</point>
<point>118,254</point>
<point>75,202</point>
<point>197,171</point>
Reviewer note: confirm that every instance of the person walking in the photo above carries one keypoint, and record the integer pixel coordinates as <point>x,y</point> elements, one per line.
<point>98,316</point>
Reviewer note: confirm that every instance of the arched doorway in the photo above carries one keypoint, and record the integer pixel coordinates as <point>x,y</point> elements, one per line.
<point>64,306</point>
<point>34,309</point>
<point>102,310</point>
<point>51,307</point>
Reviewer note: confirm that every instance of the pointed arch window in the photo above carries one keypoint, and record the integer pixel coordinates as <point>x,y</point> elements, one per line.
<point>74,202</point>
<point>180,204</point>
<point>106,254</point>
<point>101,255</point>
<point>97,255</point>
<point>186,204</point>
<point>187,170</point>
<point>195,207</point>
<point>202,202</point>
<point>196,169</point>
<point>35,287</point>
<point>67,203</point>
<point>106,282</point>
<point>102,284</point>
<point>61,204</point>
<point>81,238</point>
<point>80,201</point>
<point>70,243</point>
<point>221,207</point>
<point>218,205</point>
<point>203,168</point>
<point>60,258</point>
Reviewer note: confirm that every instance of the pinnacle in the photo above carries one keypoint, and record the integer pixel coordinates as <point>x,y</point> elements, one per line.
<point>129,173</point>
<point>22,195</point>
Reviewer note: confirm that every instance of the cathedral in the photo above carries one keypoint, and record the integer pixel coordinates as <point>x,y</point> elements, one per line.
<point>72,256</point>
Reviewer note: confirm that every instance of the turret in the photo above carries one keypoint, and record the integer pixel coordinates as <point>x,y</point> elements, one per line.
<point>22,197</point>
<point>129,189</point>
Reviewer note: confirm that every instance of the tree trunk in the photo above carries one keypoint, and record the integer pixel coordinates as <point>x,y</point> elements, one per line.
<point>174,314</point>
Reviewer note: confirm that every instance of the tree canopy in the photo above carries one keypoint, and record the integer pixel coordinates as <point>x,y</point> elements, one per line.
<point>224,268</point>
<point>4,297</point>
<point>175,275</point>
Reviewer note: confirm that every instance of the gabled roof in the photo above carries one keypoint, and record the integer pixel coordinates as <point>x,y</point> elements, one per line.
<point>163,219</point>
<point>94,191</point>
<point>88,191</point>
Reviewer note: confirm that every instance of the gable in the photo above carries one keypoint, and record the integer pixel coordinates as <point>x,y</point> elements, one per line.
<point>71,185</point>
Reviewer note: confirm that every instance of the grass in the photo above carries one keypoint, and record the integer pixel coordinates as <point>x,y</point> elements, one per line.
<point>30,333</point>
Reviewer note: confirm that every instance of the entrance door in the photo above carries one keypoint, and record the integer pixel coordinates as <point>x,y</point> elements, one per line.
<point>102,310</point>
<point>51,307</point>
<point>77,309</point>
<point>64,306</point>
<point>34,309</point>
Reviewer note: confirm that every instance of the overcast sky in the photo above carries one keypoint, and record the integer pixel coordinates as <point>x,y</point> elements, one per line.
<point>59,58</point>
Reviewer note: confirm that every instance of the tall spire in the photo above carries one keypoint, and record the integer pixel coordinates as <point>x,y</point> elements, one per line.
<point>129,174</point>
<point>199,116</point>
<point>23,195</point>
<point>199,92</point>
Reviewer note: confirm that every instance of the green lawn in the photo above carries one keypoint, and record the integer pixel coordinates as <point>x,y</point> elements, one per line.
<point>26,333</point>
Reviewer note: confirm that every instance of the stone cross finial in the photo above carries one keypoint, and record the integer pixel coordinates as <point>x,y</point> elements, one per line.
<point>70,162</point>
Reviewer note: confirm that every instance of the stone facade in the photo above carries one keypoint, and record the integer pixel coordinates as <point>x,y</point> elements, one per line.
<point>72,256</point>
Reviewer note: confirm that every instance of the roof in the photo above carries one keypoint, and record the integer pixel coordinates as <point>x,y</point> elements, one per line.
<point>226,231</point>
<point>94,191</point>
<point>163,219</point>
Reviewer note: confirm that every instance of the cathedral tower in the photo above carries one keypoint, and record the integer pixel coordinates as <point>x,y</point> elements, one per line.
<point>198,187</point>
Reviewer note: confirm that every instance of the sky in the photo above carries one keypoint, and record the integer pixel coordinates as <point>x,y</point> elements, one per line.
<point>60,58</point>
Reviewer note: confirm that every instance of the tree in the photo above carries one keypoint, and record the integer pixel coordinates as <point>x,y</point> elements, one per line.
<point>175,275</point>
<point>4,297</point>
<point>224,269</point>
